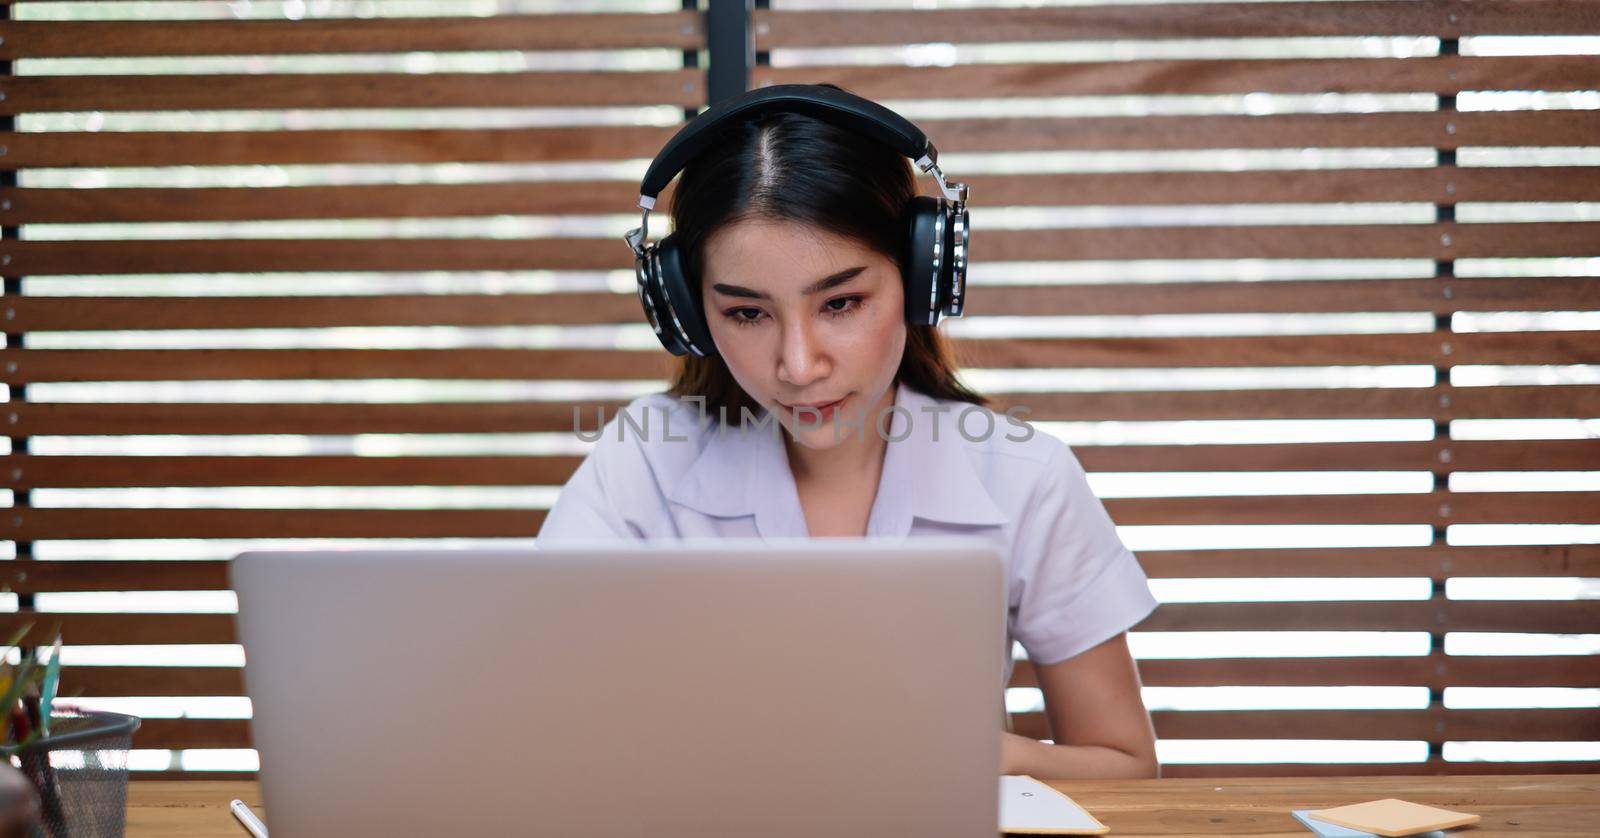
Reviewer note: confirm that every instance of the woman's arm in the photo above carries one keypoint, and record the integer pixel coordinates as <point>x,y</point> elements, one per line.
<point>1097,718</point>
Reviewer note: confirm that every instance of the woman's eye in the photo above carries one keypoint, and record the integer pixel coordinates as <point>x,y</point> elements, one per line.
<point>739,319</point>
<point>842,311</point>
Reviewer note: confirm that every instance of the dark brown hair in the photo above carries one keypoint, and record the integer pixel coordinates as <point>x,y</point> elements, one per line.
<point>791,167</point>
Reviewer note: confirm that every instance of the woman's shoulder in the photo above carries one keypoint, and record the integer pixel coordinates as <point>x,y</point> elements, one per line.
<point>1015,459</point>
<point>1005,437</point>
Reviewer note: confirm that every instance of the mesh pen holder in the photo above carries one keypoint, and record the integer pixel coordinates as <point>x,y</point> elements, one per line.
<point>81,774</point>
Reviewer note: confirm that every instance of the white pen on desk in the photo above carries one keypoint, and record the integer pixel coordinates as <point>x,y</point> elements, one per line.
<point>252,824</point>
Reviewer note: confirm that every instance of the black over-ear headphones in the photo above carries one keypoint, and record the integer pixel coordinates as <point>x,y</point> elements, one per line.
<point>934,256</point>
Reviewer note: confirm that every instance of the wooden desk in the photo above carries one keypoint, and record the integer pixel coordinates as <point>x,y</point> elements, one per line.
<point>1509,804</point>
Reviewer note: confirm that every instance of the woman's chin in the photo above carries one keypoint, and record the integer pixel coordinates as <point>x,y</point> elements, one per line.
<point>821,437</point>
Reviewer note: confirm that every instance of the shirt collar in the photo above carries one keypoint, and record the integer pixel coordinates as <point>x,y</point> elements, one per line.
<point>745,471</point>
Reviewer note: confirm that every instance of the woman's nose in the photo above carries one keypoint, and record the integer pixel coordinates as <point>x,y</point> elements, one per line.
<point>802,358</point>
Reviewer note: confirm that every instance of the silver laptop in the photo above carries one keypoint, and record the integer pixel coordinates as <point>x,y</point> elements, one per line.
<point>705,687</point>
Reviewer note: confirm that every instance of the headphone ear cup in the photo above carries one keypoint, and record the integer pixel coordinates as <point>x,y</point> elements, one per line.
<point>925,265</point>
<point>646,272</point>
<point>960,227</point>
<point>685,315</point>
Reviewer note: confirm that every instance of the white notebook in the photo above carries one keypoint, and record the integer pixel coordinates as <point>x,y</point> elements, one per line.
<point>1029,807</point>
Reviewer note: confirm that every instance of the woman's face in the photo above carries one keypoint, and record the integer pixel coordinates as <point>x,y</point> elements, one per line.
<point>803,317</point>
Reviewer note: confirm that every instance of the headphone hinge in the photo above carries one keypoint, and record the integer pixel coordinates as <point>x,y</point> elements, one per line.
<point>640,233</point>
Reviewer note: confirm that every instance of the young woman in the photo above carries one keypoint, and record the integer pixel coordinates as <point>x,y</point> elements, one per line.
<point>828,409</point>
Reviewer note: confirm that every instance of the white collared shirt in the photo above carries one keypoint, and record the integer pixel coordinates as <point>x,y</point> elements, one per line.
<point>1072,583</point>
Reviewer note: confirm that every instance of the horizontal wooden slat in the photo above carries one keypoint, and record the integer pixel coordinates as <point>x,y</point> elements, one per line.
<point>34,576</point>
<point>1399,241</point>
<point>1295,350</point>
<point>121,629</point>
<point>1444,184</point>
<point>1441,295</point>
<point>419,200</point>
<point>62,472</point>
<point>1441,241</point>
<point>1443,74</point>
<point>1439,455</point>
<point>1433,671</point>
<point>1343,616</point>
<point>189,365</point>
<point>192,733</point>
<point>140,777</point>
<point>1439,561</point>
<point>1441,403</point>
<point>46,94</point>
<point>32,524</point>
<point>55,39</point>
<point>1433,129</point>
<point>1433,725</point>
<point>39,365</point>
<point>1425,725</point>
<point>1257,773</point>
<point>1261,771</point>
<point>1430,129</point>
<point>1438,404</point>
<point>1540,725</point>
<point>34,418</point>
<point>1440,615</point>
<point>365,146</point>
<point>431,200</point>
<point>153,680</point>
<point>1437,508</point>
<point>36,314</point>
<point>23,471</point>
<point>776,29</point>
<point>779,29</point>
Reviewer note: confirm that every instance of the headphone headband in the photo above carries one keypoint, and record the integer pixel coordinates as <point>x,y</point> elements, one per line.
<point>837,107</point>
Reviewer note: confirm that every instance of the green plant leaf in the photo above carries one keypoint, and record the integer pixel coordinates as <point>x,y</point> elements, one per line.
<point>47,690</point>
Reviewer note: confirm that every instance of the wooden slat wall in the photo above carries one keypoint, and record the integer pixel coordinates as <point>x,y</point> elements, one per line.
<point>80,448</point>
<point>56,69</point>
<point>789,39</point>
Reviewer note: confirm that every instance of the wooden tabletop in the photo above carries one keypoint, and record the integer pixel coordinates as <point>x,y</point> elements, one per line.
<point>1509,804</point>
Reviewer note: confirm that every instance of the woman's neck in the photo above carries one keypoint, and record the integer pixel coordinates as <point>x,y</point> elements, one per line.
<point>858,455</point>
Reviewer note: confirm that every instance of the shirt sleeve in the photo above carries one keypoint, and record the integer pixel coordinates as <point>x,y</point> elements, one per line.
<point>1080,585</point>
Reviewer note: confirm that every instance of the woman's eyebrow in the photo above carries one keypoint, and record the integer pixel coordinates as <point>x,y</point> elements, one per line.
<point>820,285</point>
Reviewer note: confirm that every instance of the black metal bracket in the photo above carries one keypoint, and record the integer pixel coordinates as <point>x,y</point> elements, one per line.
<point>731,49</point>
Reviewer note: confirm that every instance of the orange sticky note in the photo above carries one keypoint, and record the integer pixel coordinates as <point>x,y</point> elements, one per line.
<point>1393,817</point>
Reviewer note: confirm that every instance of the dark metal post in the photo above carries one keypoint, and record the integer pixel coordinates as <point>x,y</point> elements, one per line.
<point>731,49</point>
<point>1444,269</point>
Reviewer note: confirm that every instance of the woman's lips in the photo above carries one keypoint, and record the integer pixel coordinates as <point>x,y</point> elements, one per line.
<point>825,411</point>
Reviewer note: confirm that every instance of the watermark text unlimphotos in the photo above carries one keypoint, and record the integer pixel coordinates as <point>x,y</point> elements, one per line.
<point>975,423</point>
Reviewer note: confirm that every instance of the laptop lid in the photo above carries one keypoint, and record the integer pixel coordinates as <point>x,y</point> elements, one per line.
<point>696,687</point>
